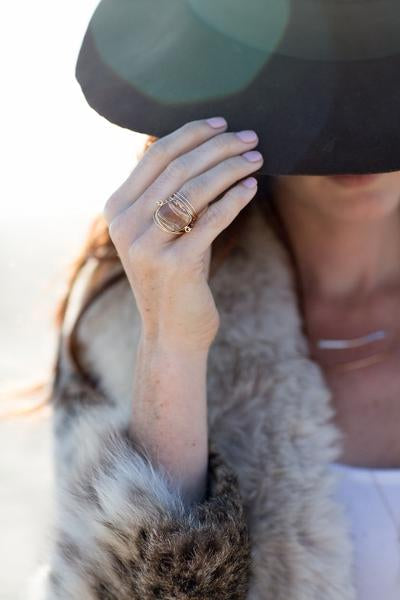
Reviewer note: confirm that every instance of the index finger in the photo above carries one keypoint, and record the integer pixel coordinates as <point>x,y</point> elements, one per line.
<point>157,158</point>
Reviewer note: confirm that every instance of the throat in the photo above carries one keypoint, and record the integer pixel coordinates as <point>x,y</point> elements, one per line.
<point>364,377</point>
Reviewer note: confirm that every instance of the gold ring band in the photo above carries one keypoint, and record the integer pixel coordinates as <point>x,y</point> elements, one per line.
<point>179,205</point>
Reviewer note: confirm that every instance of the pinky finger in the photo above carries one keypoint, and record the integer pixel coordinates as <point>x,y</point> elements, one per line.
<point>216,217</point>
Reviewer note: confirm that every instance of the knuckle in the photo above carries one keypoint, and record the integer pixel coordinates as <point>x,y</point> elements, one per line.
<point>108,209</point>
<point>238,195</point>
<point>157,150</point>
<point>194,187</point>
<point>157,147</point>
<point>223,140</point>
<point>117,228</point>
<point>177,168</point>
<point>114,228</point>
<point>194,126</point>
<point>214,215</point>
<point>138,254</point>
<point>237,163</point>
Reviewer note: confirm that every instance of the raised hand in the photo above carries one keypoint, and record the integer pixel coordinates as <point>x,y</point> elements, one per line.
<point>167,272</point>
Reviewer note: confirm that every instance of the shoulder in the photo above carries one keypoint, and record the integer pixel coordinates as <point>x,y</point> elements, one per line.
<point>101,325</point>
<point>91,391</point>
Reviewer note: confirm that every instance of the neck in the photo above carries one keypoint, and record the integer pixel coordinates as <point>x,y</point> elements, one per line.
<point>340,260</point>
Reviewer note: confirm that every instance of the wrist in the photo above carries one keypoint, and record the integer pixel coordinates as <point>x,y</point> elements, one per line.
<point>180,349</point>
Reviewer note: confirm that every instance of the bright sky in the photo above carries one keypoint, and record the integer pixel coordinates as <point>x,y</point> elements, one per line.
<point>61,161</point>
<point>60,154</point>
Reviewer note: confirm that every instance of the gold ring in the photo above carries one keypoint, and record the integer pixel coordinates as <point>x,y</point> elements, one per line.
<point>177,205</point>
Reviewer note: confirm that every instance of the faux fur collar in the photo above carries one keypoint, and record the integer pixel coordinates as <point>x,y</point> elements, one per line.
<point>269,414</point>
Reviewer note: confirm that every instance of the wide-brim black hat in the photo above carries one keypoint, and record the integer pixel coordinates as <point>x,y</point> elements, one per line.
<point>318,80</point>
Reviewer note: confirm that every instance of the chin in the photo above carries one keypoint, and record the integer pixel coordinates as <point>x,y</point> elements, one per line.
<point>357,197</point>
<point>367,203</point>
<point>356,180</point>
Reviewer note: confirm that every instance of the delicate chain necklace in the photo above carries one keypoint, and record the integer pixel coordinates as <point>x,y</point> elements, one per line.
<point>273,217</point>
<point>352,343</point>
<point>376,357</point>
<point>336,344</point>
<point>391,514</point>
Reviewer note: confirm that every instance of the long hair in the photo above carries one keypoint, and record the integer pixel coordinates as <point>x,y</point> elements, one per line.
<point>98,245</point>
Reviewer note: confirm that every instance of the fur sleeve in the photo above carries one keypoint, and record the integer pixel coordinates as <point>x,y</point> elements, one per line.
<point>125,534</point>
<point>122,530</point>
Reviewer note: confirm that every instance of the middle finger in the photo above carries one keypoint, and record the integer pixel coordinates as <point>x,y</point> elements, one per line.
<point>205,188</point>
<point>194,171</point>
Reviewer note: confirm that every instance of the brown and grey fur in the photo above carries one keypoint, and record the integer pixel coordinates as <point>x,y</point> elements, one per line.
<point>269,528</point>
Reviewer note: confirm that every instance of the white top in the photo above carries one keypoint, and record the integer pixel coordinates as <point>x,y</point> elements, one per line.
<point>376,545</point>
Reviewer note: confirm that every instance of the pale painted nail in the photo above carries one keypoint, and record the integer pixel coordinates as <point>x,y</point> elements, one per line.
<point>252,155</point>
<point>217,122</point>
<point>247,135</point>
<point>250,182</point>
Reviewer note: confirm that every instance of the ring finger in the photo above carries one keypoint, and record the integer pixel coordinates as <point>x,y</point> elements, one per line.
<point>205,188</point>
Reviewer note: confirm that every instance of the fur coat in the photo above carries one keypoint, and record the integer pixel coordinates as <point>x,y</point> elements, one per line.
<point>269,527</point>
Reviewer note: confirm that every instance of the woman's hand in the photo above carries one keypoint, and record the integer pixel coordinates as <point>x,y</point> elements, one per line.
<point>167,272</point>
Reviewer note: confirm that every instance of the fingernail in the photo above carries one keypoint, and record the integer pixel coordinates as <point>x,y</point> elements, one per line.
<point>217,122</point>
<point>250,182</point>
<point>252,155</point>
<point>247,135</point>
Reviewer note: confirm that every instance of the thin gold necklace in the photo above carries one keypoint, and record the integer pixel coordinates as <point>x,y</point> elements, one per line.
<point>331,344</point>
<point>273,217</point>
<point>360,363</point>
<point>339,344</point>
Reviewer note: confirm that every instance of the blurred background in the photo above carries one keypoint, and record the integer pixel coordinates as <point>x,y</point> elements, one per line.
<point>61,161</point>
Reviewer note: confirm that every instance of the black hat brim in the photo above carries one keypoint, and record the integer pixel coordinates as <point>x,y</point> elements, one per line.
<point>312,117</point>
